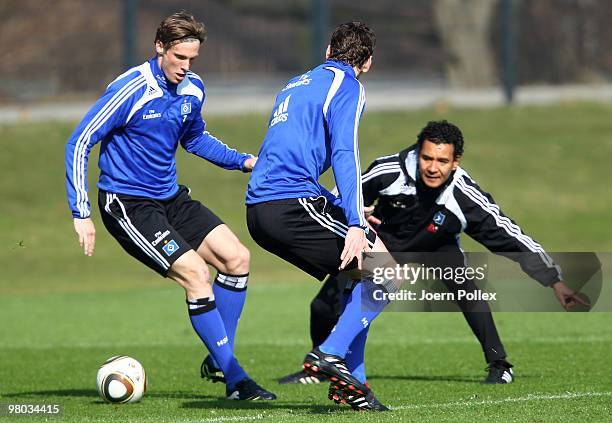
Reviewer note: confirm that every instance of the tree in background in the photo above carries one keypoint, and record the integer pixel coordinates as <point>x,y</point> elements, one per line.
<point>571,48</point>
<point>464,29</point>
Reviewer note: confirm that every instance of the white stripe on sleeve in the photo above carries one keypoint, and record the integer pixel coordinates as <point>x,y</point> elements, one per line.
<point>333,89</point>
<point>78,163</point>
<point>359,199</point>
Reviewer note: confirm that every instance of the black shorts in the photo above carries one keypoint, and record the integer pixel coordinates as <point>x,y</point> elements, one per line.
<point>307,232</point>
<point>157,232</point>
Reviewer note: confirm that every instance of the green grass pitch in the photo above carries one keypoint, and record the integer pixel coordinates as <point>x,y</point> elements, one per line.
<point>62,314</point>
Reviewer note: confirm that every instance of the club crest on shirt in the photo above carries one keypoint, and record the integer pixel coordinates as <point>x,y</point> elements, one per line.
<point>185,108</point>
<point>170,247</point>
<point>438,218</point>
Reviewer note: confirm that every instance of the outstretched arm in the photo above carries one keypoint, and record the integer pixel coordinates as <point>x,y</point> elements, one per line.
<point>197,140</point>
<point>566,296</point>
<point>249,164</point>
<point>488,225</point>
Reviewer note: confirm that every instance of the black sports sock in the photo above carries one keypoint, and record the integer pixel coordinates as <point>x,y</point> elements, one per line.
<point>478,315</point>
<point>325,309</point>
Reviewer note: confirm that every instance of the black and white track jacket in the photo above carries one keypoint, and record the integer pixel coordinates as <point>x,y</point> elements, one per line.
<point>416,218</point>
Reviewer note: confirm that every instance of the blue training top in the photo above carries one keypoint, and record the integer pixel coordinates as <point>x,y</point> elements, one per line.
<point>313,126</point>
<point>140,120</point>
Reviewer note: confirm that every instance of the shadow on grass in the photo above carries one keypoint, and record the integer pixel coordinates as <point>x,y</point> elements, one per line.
<point>56,393</point>
<point>92,393</point>
<point>440,378</point>
<point>299,408</point>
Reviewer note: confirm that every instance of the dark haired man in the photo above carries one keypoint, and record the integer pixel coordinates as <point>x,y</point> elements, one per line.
<point>313,127</point>
<point>140,120</point>
<point>424,202</point>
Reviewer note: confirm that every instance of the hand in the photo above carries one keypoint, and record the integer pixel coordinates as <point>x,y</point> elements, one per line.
<point>566,296</point>
<point>86,231</point>
<point>354,244</point>
<point>249,164</point>
<point>373,220</point>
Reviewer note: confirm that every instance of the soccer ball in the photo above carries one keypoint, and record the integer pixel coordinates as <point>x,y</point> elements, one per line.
<point>121,379</point>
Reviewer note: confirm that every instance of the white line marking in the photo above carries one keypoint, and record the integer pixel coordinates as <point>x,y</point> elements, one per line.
<point>530,397</point>
<point>234,419</point>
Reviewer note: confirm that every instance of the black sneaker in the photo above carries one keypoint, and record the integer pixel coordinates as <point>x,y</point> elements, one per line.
<point>336,394</point>
<point>301,377</point>
<point>500,372</point>
<point>248,390</point>
<point>210,371</point>
<point>367,403</point>
<point>317,363</point>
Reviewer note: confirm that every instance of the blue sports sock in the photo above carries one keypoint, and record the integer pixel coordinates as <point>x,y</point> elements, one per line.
<point>230,294</point>
<point>207,323</point>
<point>355,357</point>
<point>355,317</point>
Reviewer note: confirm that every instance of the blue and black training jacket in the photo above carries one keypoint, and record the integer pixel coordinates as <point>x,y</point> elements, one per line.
<point>140,120</point>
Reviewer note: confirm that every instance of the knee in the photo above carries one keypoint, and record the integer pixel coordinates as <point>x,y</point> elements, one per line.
<point>239,263</point>
<point>244,256</point>
<point>195,277</point>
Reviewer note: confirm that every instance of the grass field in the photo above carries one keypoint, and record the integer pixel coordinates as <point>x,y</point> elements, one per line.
<point>62,314</point>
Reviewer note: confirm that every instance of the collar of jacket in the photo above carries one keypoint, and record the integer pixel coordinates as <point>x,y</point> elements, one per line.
<point>159,75</point>
<point>158,80</point>
<point>340,65</point>
<point>155,85</point>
